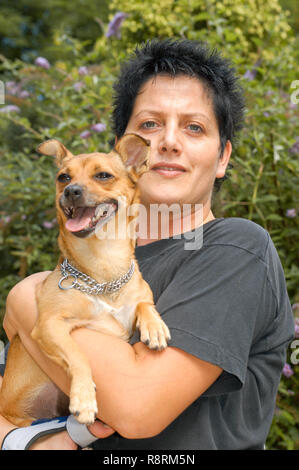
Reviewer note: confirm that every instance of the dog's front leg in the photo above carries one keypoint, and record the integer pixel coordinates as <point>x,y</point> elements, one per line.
<point>52,333</point>
<point>153,331</point>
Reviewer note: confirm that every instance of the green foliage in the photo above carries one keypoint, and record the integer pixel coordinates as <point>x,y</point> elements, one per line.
<point>253,26</point>
<point>293,7</point>
<point>65,100</point>
<point>284,432</point>
<point>28,28</point>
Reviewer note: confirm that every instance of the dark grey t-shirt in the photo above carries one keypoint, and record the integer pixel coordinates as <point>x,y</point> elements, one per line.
<point>227,304</point>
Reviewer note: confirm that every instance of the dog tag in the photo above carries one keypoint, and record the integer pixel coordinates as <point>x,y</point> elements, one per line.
<point>66,277</point>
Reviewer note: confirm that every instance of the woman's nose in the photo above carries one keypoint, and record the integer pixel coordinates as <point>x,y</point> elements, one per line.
<point>170,142</point>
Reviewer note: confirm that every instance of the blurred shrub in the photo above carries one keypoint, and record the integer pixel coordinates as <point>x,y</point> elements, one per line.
<point>28,28</point>
<point>67,96</point>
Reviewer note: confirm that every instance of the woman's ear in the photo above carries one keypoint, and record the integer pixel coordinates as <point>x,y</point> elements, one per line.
<point>224,160</point>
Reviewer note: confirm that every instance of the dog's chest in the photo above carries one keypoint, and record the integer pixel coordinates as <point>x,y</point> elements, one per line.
<point>124,315</point>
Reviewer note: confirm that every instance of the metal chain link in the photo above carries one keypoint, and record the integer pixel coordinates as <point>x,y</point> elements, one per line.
<point>92,287</point>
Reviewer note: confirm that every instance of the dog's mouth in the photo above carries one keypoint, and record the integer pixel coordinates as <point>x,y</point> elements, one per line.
<point>81,221</point>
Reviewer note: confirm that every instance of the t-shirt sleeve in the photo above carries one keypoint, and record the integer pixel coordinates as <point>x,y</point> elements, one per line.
<point>211,308</point>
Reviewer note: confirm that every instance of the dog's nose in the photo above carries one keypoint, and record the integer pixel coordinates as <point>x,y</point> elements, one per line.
<point>73,192</point>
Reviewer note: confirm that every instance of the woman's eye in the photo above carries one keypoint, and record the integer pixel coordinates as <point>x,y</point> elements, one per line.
<point>64,177</point>
<point>103,175</point>
<point>195,128</point>
<point>148,125</point>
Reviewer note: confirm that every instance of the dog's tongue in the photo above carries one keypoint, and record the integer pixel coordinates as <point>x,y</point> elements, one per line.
<point>81,220</point>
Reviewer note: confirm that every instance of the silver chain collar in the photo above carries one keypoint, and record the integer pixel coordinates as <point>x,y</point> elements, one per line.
<point>91,286</point>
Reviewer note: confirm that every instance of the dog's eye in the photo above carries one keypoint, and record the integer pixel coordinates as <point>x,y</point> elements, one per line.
<point>64,177</point>
<point>103,175</point>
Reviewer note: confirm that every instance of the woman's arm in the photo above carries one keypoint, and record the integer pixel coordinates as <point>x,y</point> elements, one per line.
<point>139,391</point>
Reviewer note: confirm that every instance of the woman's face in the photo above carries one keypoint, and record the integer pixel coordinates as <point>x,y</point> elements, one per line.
<point>177,116</point>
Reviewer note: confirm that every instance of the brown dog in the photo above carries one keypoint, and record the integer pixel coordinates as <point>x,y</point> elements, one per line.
<point>97,283</point>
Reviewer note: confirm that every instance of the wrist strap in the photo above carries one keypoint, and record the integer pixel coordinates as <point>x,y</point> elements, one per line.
<point>23,438</point>
<point>79,433</point>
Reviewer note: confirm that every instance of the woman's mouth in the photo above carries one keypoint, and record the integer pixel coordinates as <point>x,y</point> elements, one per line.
<point>168,170</point>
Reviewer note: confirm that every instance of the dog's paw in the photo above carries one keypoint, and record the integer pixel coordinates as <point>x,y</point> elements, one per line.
<point>154,333</point>
<point>83,403</point>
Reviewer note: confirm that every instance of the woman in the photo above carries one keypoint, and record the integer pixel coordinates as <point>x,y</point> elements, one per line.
<point>225,303</point>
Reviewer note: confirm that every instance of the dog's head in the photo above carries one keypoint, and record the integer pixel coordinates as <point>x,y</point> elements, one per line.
<point>90,186</point>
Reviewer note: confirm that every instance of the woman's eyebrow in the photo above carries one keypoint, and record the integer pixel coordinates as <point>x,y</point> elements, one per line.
<point>196,114</point>
<point>189,115</point>
<point>149,111</point>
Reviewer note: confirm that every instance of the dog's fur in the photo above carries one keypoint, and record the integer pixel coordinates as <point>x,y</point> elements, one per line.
<point>94,253</point>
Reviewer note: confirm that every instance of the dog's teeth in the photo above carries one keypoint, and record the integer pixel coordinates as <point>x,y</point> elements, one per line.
<point>101,210</point>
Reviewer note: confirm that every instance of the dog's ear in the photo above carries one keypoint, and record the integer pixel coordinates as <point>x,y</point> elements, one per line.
<point>54,148</point>
<point>134,150</point>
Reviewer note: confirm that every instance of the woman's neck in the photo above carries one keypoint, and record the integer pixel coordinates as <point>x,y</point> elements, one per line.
<point>157,225</point>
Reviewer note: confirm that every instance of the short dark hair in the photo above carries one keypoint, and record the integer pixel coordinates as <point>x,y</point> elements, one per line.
<point>181,57</point>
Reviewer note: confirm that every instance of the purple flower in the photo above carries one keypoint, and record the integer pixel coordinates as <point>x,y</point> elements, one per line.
<point>287,370</point>
<point>297,328</point>
<point>83,70</point>
<point>266,114</point>
<point>10,108</point>
<point>98,127</point>
<point>85,134</point>
<point>115,25</point>
<point>24,94</point>
<point>295,147</point>
<point>12,88</point>
<point>42,62</point>
<point>250,75</point>
<point>78,86</point>
<point>48,225</point>
<point>291,213</point>
<point>15,89</point>
<point>295,306</point>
